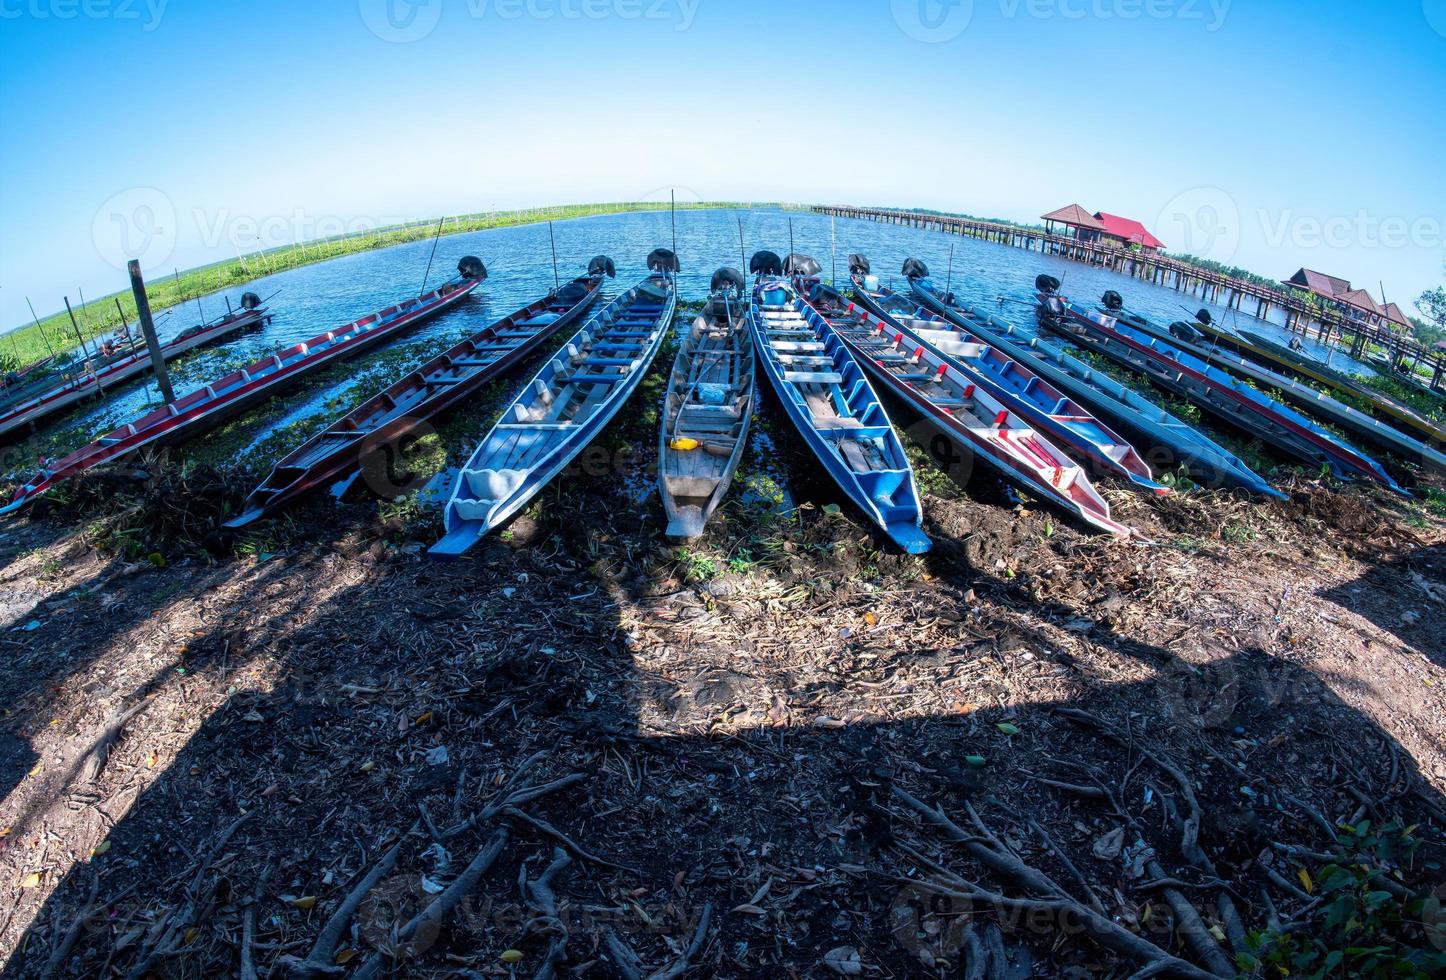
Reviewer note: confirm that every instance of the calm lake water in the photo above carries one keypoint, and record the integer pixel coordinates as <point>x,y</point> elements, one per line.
<point>333,293</point>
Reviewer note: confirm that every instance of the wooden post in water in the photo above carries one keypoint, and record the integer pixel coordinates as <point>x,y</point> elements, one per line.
<point>148,329</point>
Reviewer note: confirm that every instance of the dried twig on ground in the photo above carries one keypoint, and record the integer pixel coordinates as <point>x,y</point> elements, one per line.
<point>1101,929</point>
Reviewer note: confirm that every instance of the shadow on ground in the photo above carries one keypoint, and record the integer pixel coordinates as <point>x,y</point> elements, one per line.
<point>731,737</point>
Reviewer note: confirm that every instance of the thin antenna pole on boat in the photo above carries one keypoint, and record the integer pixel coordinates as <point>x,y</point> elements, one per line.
<point>556,282</point>
<point>199,310</point>
<point>84,352</point>
<point>833,251</point>
<point>673,207</point>
<point>39,327</point>
<point>742,252</point>
<point>790,236</point>
<point>949,277</point>
<point>428,274</point>
<point>86,317</point>
<point>127,326</point>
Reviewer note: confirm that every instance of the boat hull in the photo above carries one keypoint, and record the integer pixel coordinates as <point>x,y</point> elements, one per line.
<point>31,410</point>
<point>522,454</point>
<point>207,407</point>
<point>709,401</point>
<point>1172,442</point>
<point>879,478</point>
<point>1211,389</point>
<point>952,397</point>
<point>1322,406</point>
<point>393,414</point>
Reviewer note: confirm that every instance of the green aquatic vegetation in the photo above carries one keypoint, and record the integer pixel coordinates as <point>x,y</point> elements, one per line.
<point>696,566</point>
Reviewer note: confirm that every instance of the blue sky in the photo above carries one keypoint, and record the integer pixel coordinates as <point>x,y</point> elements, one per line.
<point>1272,135</point>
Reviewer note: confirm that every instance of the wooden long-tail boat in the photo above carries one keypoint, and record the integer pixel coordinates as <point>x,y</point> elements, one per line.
<point>1170,441</point>
<point>830,401</point>
<point>95,379</point>
<point>964,409</point>
<point>200,410</point>
<point>1282,359</point>
<point>1053,413</point>
<point>706,409</point>
<point>423,394</point>
<point>1211,388</point>
<point>1298,393</point>
<point>562,408</point>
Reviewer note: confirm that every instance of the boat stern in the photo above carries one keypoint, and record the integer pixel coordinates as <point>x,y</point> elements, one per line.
<point>910,537</point>
<point>686,524</point>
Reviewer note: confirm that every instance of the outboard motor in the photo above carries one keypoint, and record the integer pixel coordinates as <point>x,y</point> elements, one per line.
<point>571,293</point>
<point>728,279</point>
<point>798,264</point>
<point>663,260</point>
<point>1184,331</point>
<point>1204,317</point>
<point>471,267</point>
<point>765,263</point>
<point>859,265</point>
<point>915,269</point>
<point>601,265</point>
<point>1112,300</point>
<point>725,290</point>
<point>1046,283</point>
<point>250,301</point>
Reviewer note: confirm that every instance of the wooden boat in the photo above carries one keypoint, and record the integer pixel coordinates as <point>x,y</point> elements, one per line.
<point>562,409</point>
<point>95,380</point>
<point>230,394</point>
<point>1283,359</point>
<point>1050,411</point>
<point>964,408</point>
<point>1211,388</point>
<point>433,388</point>
<point>825,393</point>
<point>1280,358</point>
<point>36,372</point>
<point>1303,396</point>
<point>706,409</point>
<point>1406,376</point>
<point>1171,442</point>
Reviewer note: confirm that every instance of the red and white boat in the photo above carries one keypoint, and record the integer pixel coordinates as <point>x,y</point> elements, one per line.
<point>98,379</point>
<point>966,412</point>
<point>204,408</point>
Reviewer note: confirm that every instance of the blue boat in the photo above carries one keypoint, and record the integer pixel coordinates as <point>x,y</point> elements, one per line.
<point>562,409</point>
<point>825,393</point>
<point>1171,442</point>
<point>1211,388</point>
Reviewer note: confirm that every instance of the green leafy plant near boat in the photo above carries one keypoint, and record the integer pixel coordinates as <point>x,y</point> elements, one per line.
<point>1358,928</point>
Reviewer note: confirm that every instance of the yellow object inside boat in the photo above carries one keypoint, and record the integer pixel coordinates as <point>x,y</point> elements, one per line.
<point>684,444</point>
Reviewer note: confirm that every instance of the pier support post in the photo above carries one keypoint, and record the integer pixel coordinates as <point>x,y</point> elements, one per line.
<point>148,328</point>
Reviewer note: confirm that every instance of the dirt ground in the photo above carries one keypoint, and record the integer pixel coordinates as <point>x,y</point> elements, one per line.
<point>783,752</point>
